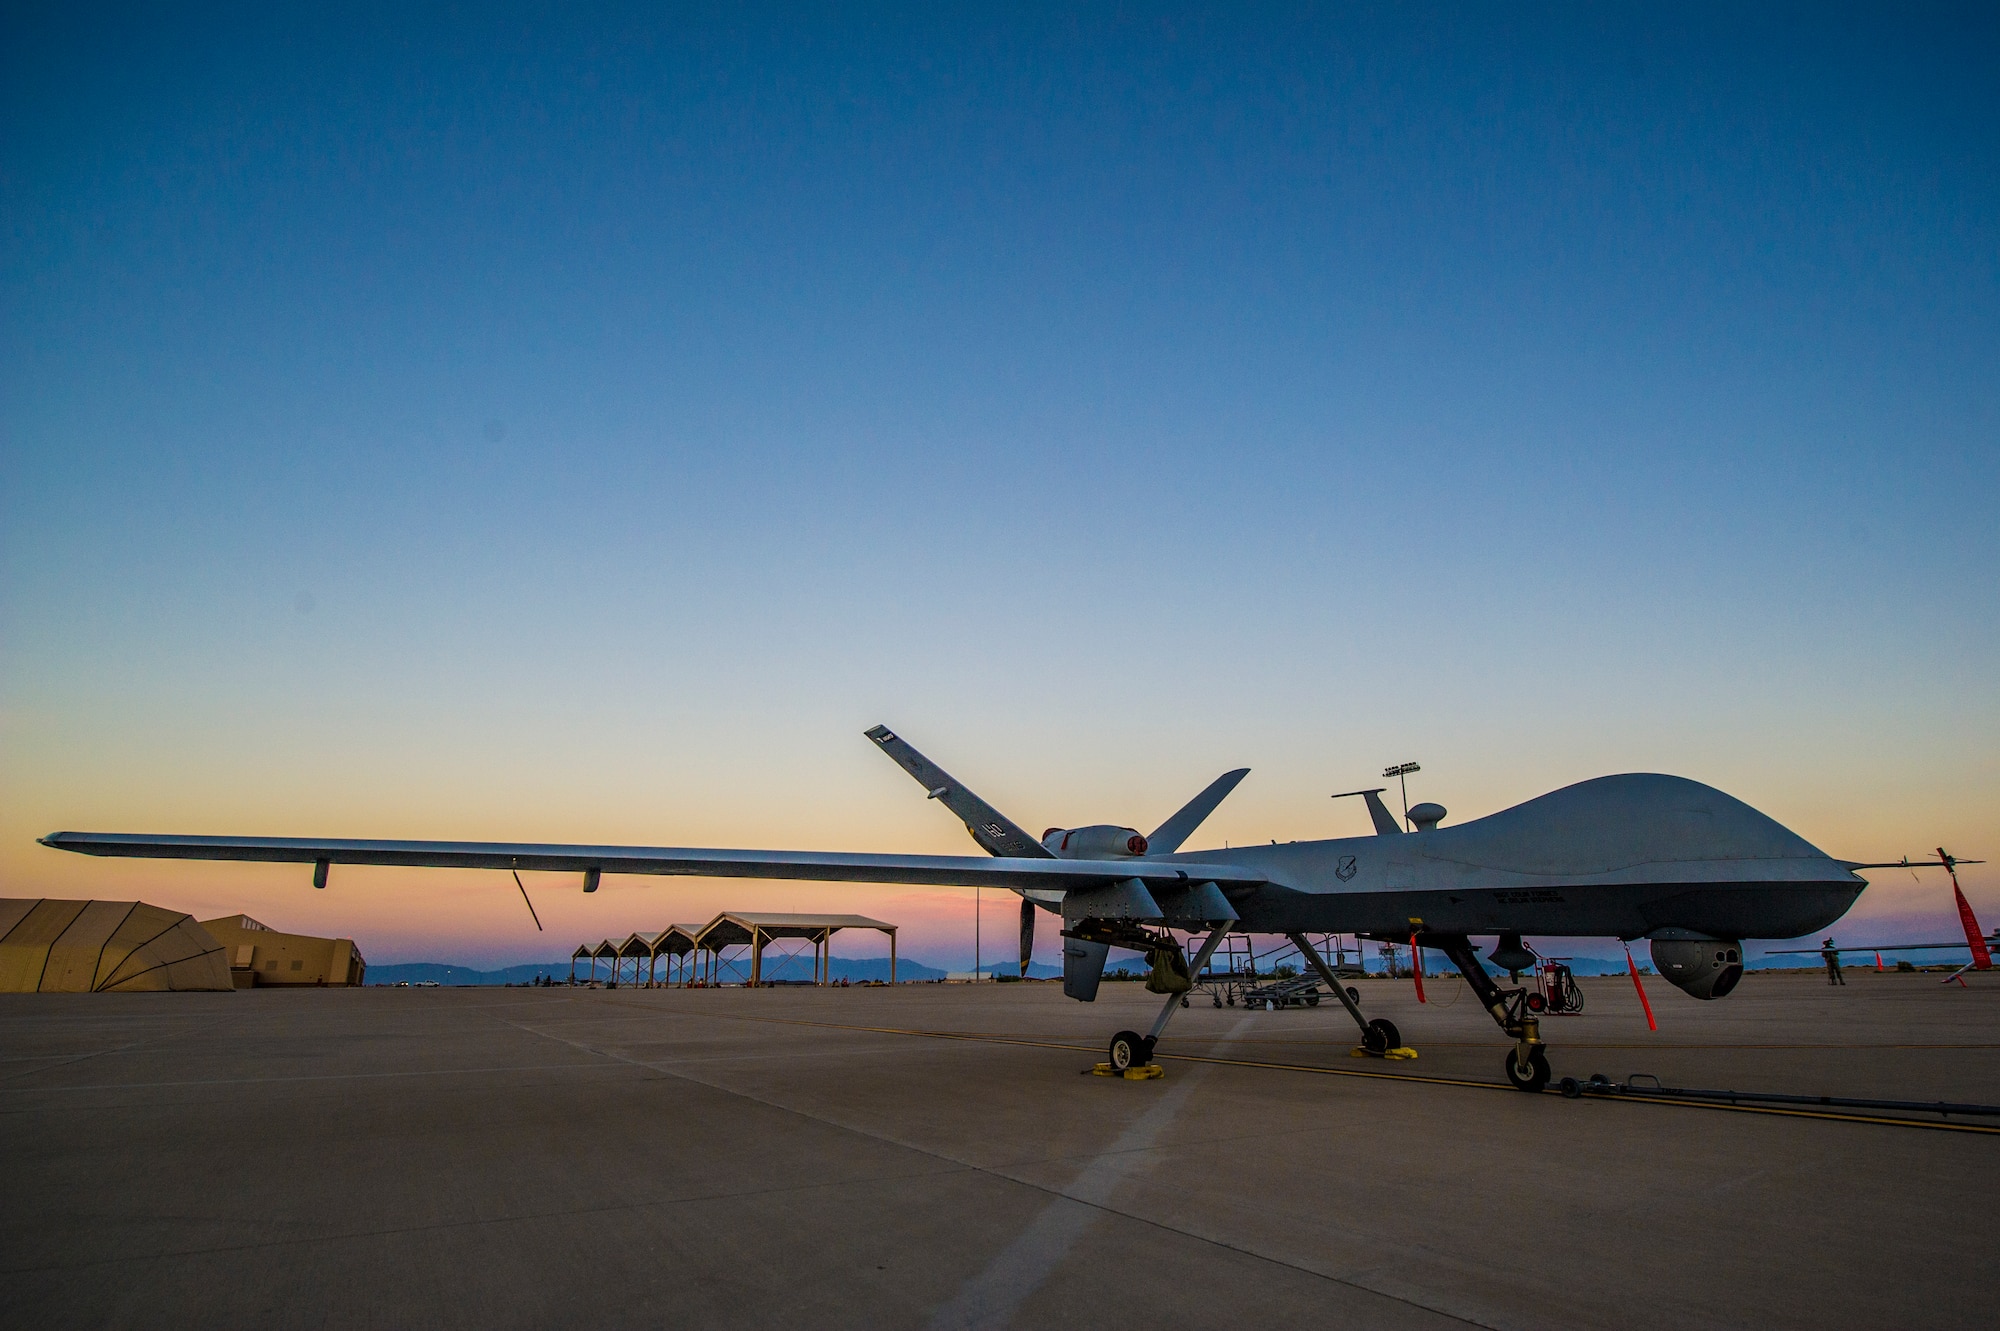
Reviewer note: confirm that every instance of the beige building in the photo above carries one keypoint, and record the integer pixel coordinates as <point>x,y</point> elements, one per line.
<point>53,946</point>
<point>260,955</point>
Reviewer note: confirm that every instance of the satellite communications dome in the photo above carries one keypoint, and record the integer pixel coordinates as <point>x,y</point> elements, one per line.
<point>1427,815</point>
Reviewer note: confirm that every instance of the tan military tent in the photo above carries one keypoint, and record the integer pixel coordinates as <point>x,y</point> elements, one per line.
<point>79,947</point>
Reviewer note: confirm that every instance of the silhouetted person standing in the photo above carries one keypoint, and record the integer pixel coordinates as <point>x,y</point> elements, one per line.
<point>1832,955</point>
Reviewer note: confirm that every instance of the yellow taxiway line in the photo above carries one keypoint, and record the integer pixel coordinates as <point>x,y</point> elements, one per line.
<point>1629,1097</point>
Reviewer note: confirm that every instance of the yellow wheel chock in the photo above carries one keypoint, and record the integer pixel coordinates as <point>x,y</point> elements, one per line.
<point>1146,1073</point>
<point>1401,1051</point>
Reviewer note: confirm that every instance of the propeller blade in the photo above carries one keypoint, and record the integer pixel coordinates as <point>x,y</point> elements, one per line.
<point>1027,934</point>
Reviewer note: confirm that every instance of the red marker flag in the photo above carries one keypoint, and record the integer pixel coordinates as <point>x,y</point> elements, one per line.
<point>1417,968</point>
<point>1633,966</point>
<point>1982,959</point>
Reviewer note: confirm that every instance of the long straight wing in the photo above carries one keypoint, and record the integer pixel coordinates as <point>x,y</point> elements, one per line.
<point>1910,864</point>
<point>834,866</point>
<point>1867,947</point>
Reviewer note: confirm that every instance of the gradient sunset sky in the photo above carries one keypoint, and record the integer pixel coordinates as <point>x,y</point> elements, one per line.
<point>580,425</point>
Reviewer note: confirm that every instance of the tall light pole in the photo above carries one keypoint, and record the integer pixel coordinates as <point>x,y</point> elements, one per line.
<point>975,934</point>
<point>1401,771</point>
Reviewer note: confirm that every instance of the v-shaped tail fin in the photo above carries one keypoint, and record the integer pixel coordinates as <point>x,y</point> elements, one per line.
<point>1181,826</point>
<point>994,831</point>
<point>1378,812</point>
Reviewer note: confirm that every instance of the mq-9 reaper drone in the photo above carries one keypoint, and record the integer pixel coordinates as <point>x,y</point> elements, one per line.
<point>1666,859</point>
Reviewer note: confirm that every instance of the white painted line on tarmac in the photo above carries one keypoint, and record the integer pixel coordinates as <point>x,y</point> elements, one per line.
<point>991,1298</point>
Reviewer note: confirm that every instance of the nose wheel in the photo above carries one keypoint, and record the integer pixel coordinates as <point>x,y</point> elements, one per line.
<point>1529,1077</point>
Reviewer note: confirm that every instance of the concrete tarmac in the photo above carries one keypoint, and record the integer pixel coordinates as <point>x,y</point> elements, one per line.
<point>608,1158</point>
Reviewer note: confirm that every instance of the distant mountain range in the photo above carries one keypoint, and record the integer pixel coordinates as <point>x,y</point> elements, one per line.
<point>844,968</point>
<point>877,968</point>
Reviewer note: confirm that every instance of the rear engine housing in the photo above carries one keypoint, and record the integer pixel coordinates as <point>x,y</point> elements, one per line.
<point>1102,842</point>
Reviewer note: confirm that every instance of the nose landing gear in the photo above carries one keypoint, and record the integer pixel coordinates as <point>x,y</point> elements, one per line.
<point>1528,1060</point>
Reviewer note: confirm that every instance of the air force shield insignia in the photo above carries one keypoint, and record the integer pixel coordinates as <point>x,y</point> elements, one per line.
<point>1345,869</point>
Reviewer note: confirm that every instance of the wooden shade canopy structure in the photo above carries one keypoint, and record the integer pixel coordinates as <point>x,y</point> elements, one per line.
<point>697,949</point>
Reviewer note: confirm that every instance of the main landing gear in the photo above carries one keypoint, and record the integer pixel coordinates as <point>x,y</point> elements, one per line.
<point>1528,1060</point>
<point>1129,1049</point>
<point>1527,1063</point>
<point>1379,1036</point>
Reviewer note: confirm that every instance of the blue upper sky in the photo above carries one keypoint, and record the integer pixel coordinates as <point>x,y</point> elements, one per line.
<point>539,422</point>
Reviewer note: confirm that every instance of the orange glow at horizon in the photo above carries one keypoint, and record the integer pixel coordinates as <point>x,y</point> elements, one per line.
<point>477,917</point>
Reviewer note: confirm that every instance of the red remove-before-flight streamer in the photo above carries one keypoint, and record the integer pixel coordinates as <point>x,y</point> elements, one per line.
<point>1633,967</point>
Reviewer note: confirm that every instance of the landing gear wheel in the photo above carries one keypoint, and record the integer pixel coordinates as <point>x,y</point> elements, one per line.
<point>1381,1036</point>
<point>1128,1050</point>
<point>1535,1076</point>
<point>1183,1000</point>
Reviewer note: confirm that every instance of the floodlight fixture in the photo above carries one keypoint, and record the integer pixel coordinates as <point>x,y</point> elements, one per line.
<point>1401,771</point>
